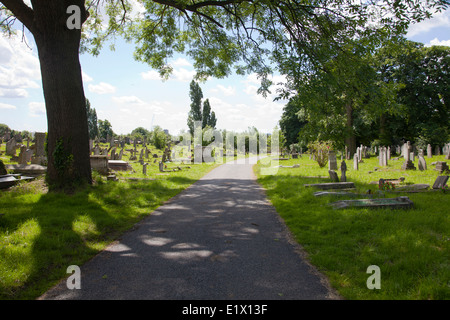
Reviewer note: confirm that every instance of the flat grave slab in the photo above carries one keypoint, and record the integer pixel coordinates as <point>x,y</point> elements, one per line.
<point>118,165</point>
<point>27,169</point>
<point>390,203</point>
<point>331,185</point>
<point>9,180</point>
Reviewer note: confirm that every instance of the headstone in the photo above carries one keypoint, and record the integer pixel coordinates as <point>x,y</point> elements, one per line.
<point>332,163</point>
<point>96,150</point>
<point>161,166</point>
<point>429,151</point>
<point>144,168</point>
<point>11,147</point>
<point>23,155</point>
<point>408,164</point>
<point>447,157</point>
<point>333,176</point>
<point>355,161</point>
<point>440,182</point>
<point>99,163</point>
<point>120,154</point>
<point>422,163</point>
<point>437,151</point>
<point>343,171</point>
<point>441,166</point>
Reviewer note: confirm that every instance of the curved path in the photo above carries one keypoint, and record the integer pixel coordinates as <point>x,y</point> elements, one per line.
<point>218,239</point>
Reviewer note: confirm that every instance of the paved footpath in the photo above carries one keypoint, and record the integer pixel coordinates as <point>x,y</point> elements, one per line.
<point>219,239</point>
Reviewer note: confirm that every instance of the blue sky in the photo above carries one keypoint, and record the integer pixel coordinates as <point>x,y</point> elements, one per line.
<point>130,94</point>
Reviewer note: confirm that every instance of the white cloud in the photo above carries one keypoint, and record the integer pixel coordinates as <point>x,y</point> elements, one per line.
<point>437,42</point>
<point>4,106</point>
<point>19,67</point>
<point>181,62</point>
<point>227,91</point>
<point>86,77</point>
<point>102,88</point>
<point>151,75</point>
<point>440,19</point>
<point>13,93</point>
<point>180,74</point>
<point>36,108</point>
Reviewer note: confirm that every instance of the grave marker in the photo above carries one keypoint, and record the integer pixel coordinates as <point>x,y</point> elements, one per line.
<point>440,182</point>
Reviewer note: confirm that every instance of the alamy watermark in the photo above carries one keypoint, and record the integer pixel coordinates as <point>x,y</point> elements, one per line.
<point>74,281</point>
<point>374,281</point>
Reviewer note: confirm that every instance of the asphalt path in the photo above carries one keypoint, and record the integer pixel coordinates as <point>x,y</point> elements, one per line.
<point>219,239</point>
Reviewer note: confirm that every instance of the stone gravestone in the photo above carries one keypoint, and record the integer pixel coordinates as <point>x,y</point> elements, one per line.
<point>11,147</point>
<point>429,151</point>
<point>144,168</point>
<point>437,151</point>
<point>39,156</point>
<point>408,164</point>
<point>355,161</point>
<point>441,166</point>
<point>23,155</point>
<point>447,157</point>
<point>332,163</point>
<point>96,150</point>
<point>120,154</point>
<point>333,176</point>
<point>440,182</point>
<point>343,171</point>
<point>422,163</point>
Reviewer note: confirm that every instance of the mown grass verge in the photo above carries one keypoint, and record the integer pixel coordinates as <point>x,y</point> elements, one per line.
<point>411,247</point>
<point>42,233</point>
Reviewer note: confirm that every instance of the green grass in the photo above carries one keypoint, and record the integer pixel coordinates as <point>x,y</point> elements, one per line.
<point>42,233</point>
<point>411,247</point>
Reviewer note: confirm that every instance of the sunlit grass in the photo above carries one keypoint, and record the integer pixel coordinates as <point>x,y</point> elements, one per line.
<point>42,233</point>
<point>411,247</point>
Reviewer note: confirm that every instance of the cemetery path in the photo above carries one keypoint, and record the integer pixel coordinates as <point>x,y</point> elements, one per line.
<point>219,239</point>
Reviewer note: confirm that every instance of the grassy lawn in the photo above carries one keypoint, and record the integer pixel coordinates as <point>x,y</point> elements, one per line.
<point>411,247</point>
<point>42,233</point>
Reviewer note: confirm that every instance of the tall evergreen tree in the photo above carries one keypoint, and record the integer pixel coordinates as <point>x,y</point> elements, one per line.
<point>92,120</point>
<point>206,114</point>
<point>195,114</point>
<point>213,120</point>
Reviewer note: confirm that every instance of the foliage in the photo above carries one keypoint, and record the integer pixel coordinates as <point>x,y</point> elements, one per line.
<point>158,137</point>
<point>92,121</point>
<point>3,129</point>
<point>320,149</point>
<point>105,129</point>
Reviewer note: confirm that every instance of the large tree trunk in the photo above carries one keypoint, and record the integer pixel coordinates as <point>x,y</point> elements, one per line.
<point>350,139</point>
<point>68,137</point>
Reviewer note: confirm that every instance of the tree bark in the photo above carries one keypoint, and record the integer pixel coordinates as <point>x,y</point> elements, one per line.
<point>350,139</point>
<point>68,136</point>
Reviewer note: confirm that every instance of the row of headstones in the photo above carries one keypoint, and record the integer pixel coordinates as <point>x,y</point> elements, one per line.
<point>34,154</point>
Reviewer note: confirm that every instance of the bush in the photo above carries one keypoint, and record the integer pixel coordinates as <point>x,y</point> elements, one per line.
<point>320,149</point>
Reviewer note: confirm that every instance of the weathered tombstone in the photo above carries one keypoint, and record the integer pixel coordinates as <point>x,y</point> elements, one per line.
<point>447,157</point>
<point>333,176</point>
<point>161,166</point>
<point>39,153</point>
<point>120,154</point>
<point>422,163</point>
<point>2,169</point>
<point>441,166</point>
<point>437,151</point>
<point>412,157</point>
<point>332,163</point>
<point>96,150</point>
<point>99,163</point>
<point>408,164</point>
<point>144,168</point>
<point>429,151</point>
<point>11,147</point>
<point>392,203</point>
<point>343,171</point>
<point>23,155</point>
<point>440,182</point>
<point>113,154</point>
<point>355,161</point>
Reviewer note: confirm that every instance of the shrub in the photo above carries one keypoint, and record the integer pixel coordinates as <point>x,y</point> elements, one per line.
<point>320,149</point>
